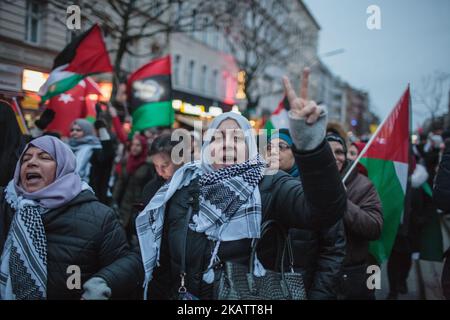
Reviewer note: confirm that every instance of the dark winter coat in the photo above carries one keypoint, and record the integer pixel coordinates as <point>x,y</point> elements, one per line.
<point>102,162</point>
<point>363,219</point>
<point>128,190</point>
<point>319,256</point>
<point>151,188</point>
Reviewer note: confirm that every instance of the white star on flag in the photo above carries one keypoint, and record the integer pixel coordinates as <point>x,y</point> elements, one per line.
<point>66,98</point>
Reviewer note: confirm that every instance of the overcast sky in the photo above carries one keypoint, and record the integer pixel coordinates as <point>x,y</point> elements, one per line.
<point>414,40</point>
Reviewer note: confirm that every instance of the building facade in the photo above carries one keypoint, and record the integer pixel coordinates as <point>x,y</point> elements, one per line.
<point>33,32</point>
<point>206,73</point>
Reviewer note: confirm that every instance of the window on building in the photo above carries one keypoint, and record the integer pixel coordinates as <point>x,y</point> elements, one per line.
<point>214,82</point>
<point>181,7</point>
<point>215,39</point>
<point>203,79</point>
<point>176,69</point>
<point>249,19</point>
<point>194,20</point>
<point>33,21</point>
<point>190,74</point>
<point>204,30</point>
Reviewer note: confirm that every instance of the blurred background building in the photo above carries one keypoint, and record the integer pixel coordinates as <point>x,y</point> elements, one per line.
<point>225,54</point>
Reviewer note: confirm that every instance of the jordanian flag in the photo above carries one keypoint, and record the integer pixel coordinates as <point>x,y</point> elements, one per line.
<point>279,118</point>
<point>150,95</point>
<point>386,161</point>
<point>84,56</point>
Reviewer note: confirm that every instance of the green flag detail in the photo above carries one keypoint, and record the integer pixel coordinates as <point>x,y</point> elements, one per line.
<point>150,95</point>
<point>386,159</point>
<point>84,56</point>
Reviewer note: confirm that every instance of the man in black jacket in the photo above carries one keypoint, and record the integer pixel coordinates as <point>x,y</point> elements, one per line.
<point>441,198</point>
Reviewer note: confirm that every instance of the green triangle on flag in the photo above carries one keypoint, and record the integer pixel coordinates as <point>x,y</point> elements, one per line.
<point>84,56</point>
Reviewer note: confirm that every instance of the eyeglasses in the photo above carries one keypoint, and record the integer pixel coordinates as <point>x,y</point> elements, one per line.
<point>281,146</point>
<point>339,152</point>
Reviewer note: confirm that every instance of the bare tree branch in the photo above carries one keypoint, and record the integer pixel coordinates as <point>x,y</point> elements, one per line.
<point>432,91</point>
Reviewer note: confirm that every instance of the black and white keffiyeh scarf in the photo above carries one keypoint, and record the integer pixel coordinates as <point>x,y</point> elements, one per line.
<point>229,209</point>
<point>23,268</point>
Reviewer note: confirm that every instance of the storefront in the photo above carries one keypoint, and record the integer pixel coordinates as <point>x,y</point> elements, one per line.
<point>193,109</point>
<point>22,83</point>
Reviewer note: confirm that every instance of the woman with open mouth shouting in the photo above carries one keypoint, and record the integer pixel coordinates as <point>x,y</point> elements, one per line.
<point>52,227</point>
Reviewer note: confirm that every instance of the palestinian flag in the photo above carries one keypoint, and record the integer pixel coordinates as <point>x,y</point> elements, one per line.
<point>279,118</point>
<point>386,160</point>
<point>150,95</point>
<point>84,56</point>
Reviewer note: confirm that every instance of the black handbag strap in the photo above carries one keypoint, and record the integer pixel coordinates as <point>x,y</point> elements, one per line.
<point>286,247</point>
<point>182,288</point>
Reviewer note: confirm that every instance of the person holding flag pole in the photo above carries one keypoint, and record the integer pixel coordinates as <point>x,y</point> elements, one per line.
<point>386,158</point>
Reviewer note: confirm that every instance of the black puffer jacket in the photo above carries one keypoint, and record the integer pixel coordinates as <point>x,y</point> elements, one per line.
<point>319,203</point>
<point>319,256</point>
<point>84,233</point>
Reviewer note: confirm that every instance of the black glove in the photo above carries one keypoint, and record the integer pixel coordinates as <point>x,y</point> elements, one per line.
<point>46,117</point>
<point>99,124</point>
<point>446,134</point>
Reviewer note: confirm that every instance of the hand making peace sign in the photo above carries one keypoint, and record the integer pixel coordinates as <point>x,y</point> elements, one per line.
<point>301,107</point>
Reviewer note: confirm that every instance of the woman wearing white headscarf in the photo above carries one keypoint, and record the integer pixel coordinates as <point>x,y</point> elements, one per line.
<point>52,226</point>
<point>230,196</point>
<point>94,155</point>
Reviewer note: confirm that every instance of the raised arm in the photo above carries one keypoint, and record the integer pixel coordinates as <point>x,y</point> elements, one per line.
<point>320,199</point>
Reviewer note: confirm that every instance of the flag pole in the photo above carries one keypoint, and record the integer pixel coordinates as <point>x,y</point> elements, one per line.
<point>369,143</point>
<point>23,122</point>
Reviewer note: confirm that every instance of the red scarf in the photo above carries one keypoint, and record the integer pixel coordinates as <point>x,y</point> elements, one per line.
<point>134,162</point>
